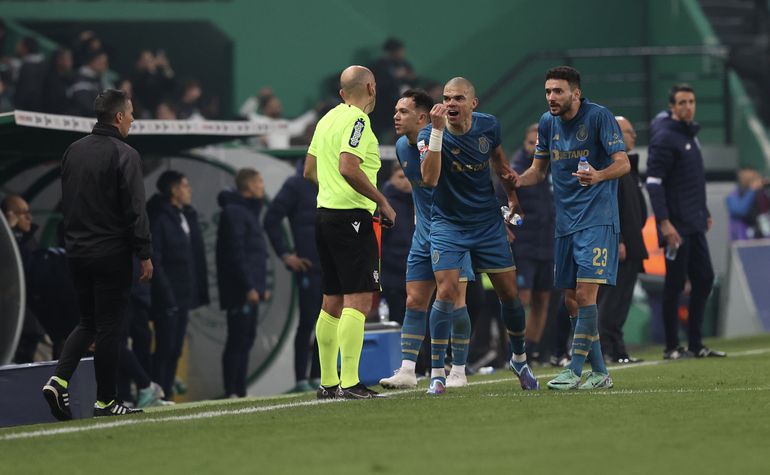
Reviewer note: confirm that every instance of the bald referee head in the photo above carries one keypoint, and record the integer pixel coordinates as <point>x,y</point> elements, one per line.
<point>357,87</point>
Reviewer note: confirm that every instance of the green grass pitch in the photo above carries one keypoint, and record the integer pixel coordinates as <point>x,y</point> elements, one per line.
<point>682,417</point>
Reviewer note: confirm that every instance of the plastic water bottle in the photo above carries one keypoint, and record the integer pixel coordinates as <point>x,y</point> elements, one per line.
<point>515,220</point>
<point>384,311</point>
<point>583,166</point>
<point>671,252</point>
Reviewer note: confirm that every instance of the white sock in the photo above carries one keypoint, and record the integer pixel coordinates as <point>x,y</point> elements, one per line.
<point>437,373</point>
<point>522,358</point>
<point>458,369</point>
<point>408,365</point>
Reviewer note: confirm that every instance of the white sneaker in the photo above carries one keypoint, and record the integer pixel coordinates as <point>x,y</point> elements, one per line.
<point>456,380</point>
<point>401,379</point>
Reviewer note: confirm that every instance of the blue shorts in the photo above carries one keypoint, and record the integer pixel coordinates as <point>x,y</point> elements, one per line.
<point>589,255</point>
<point>488,247</point>
<point>419,268</point>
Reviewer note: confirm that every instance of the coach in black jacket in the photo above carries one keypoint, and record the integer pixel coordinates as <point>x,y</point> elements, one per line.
<point>615,302</point>
<point>676,181</point>
<point>181,281</point>
<point>296,200</point>
<point>104,223</point>
<point>241,272</point>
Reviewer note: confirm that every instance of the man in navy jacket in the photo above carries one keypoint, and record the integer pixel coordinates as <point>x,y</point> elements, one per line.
<point>296,200</point>
<point>241,271</point>
<point>676,182</point>
<point>181,278</point>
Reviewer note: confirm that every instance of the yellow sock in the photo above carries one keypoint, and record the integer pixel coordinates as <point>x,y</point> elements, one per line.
<point>350,334</point>
<point>328,348</point>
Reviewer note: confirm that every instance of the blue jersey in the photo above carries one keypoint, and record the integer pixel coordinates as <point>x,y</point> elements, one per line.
<point>409,157</point>
<point>464,195</point>
<point>595,134</point>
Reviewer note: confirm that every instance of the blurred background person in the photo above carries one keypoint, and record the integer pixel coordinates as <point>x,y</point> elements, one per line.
<point>30,84</point>
<point>266,109</point>
<point>746,203</point>
<point>89,82</point>
<point>180,283</point>
<point>296,200</point>
<point>394,74</point>
<point>154,79</point>
<point>59,78</point>
<point>241,273</point>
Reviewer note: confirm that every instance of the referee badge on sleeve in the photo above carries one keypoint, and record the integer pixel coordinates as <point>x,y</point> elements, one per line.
<point>358,130</point>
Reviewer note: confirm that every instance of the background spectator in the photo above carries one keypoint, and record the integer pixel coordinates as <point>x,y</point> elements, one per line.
<point>396,242</point>
<point>266,109</point>
<point>88,83</point>
<point>31,77</point>
<point>58,81</point>
<point>296,200</point>
<point>189,104</point>
<point>393,74</point>
<point>241,273</point>
<point>153,79</point>
<point>746,203</point>
<point>180,282</point>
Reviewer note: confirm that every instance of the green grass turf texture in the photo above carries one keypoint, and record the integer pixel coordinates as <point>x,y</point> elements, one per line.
<point>698,416</point>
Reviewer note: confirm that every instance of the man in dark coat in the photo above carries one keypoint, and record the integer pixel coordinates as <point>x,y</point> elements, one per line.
<point>104,223</point>
<point>296,200</point>
<point>676,182</point>
<point>181,279</point>
<point>615,302</point>
<point>396,242</point>
<point>241,271</point>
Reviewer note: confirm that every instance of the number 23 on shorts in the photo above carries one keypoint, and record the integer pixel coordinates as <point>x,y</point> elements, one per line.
<point>600,257</point>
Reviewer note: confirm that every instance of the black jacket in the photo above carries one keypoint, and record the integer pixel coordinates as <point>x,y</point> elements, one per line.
<point>295,200</point>
<point>180,278</point>
<point>397,240</point>
<point>103,197</point>
<point>241,250</point>
<point>535,236</point>
<point>676,178</point>
<point>633,213</point>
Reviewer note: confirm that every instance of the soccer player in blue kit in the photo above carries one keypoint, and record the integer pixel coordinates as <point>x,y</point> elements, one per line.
<point>412,113</point>
<point>457,152</point>
<point>587,223</point>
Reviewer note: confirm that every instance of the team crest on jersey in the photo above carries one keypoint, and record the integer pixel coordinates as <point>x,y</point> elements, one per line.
<point>582,133</point>
<point>455,151</point>
<point>556,137</point>
<point>422,146</point>
<point>358,131</point>
<point>435,257</point>
<point>483,145</point>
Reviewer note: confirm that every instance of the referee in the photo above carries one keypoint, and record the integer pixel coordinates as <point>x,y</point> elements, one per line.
<point>104,223</point>
<point>344,159</point>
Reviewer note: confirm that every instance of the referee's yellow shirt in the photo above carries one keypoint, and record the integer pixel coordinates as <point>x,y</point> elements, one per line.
<point>345,128</point>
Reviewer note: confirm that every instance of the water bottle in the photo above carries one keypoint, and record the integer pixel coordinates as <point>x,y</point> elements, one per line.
<point>384,311</point>
<point>583,166</point>
<point>671,252</point>
<point>515,220</point>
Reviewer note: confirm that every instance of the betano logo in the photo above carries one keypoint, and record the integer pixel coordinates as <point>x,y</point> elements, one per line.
<point>566,154</point>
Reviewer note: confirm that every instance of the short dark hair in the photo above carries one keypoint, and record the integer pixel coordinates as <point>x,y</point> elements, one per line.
<point>108,103</point>
<point>392,44</point>
<point>681,87</point>
<point>168,180</point>
<point>569,74</point>
<point>243,177</point>
<point>33,47</point>
<point>422,99</point>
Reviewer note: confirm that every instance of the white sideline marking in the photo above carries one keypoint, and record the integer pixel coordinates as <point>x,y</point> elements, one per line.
<point>128,421</point>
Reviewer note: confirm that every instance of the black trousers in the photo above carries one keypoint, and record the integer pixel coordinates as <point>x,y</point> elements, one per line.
<point>305,346</point>
<point>693,261</point>
<point>102,285</point>
<point>241,333</point>
<point>130,368</point>
<point>613,305</point>
<point>170,330</point>
<point>395,296</point>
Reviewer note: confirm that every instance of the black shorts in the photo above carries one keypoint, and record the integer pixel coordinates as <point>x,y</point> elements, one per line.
<point>533,274</point>
<point>348,250</point>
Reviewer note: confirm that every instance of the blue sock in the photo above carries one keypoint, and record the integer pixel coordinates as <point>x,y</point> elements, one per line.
<point>597,358</point>
<point>512,314</point>
<point>586,330</point>
<point>440,322</point>
<point>412,334</point>
<point>461,336</point>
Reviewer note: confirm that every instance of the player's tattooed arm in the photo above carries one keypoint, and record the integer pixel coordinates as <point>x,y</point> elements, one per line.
<point>310,173</point>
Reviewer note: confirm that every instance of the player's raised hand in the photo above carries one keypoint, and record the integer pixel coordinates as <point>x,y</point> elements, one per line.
<point>438,116</point>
